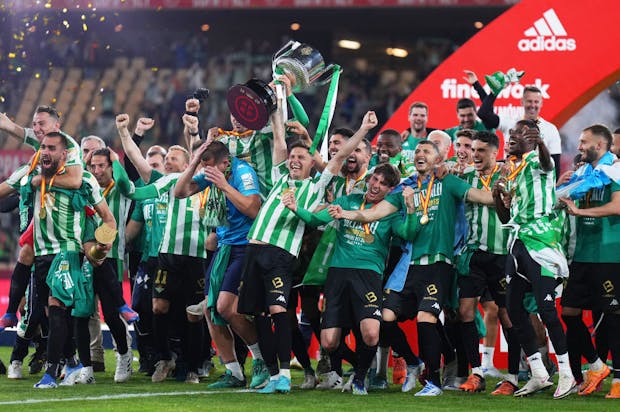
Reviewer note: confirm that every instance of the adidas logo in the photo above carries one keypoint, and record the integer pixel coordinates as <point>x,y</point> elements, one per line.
<point>377,313</point>
<point>548,298</point>
<point>281,299</point>
<point>547,34</point>
<point>508,278</point>
<point>436,306</point>
<point>614,302</point>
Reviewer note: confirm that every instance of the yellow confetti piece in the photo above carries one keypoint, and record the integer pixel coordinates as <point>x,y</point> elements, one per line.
<point>84,27</point>
<point>37,75</point>
<point>102,18</point>
<point>83,17</point>
<point>11,55</point>
<point>154,69</point>
<point>18,69</point>
<point>48,5</point>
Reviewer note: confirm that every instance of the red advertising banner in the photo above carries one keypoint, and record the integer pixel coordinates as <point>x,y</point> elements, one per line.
<point>12,159</point>
<point>570,61</point>
<point>241,4</point>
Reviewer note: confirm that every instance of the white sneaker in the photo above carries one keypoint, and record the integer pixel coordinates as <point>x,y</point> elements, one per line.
<point>86,376</point>
<point>566,384</point>
<point>412,376</point>
<point>534,385</point>
<point>205,370</point>
<point>348,387</point>
<point>429,390</point>
<point>15,370</point>
<point>330,380</point>
<point>192,377</point>
<point>71,375</point>
<point>492,372</point>
<point>309,381</point>
<point>123,367</point>
<point>448,375</point>
<point>197,310</point>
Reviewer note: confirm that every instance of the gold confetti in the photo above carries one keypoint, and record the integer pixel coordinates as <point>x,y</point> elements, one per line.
<point>84,27</point>
<point>11,55</point>
<point>102,18</point>
<point>37,75</point>
<point>18,69</point>
<point>48,5</point>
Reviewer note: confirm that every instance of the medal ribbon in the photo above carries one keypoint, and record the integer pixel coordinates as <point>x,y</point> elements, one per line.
<point>233,133</point>
<point>487,182</point>
<point>108,188</point>
<point>425,200</point>
<point>35,161</point>
<point>357,180</point>
<point>365,225</point>
<point>44,188</point>
<point>515,171</point>
<point>203,197</point>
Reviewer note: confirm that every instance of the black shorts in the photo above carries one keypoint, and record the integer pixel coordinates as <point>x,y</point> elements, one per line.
<point>234,269</point>
<point>592,286</point>
<point>486,275</point>
<point>350,296</point>
<point>266,279</point>
<point>179,279</point>
<point>425,289</point>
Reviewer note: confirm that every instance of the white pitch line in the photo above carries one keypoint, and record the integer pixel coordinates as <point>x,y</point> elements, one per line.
<point>123,396</point>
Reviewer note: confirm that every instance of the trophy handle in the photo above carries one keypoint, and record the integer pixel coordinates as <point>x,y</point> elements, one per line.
<point>326,75</point>
<point>291,45</point>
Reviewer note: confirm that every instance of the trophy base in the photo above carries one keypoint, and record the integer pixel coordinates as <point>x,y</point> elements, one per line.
<point>252,103</point>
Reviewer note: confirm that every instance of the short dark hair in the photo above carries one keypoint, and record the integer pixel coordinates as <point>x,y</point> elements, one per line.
<point>487,137</point>
<point>617,131</point>
<point>532,124</point>
<point>464,103</point>
<point>49,110</point>
<point>600,131</point>
<point>367,145</point>
<point>466,133</point>
<point>300,144</point>
<point>389,173</point>
<point>216,151</point>
<point>344,131</point>
<point>531,89</point>
<point>105,152</point>
<point>63,138</point>
<point>391,133</point>
<point>430,143</point>
<point>418,105</point>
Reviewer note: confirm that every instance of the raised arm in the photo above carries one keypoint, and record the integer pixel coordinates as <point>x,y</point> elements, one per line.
<point>105,214</point>
<point>382,209</point>
<point>131,148</point>
<point>280,152</point>
<point>368,123</point>
<point>15,130</point>
<point>6,190</point>
<point>186,186</point>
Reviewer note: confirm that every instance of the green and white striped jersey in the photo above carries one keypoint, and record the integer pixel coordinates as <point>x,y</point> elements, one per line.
<point>256,150</point>
<point>276,224</point>
<point>119,207</point>
<point>60,227</point>
<point>534,191</point>
<point>13,181</point>
<point>185,230</point>
<point>485,229</point>
<point>343,186</point>
<point>74,154</point>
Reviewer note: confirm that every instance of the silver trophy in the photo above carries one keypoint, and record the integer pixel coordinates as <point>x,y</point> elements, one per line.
<point>253,102</point>
<point>302,64</point>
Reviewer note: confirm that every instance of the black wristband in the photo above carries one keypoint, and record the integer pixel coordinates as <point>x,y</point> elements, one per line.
<point>195,114</point>
<point>194,134</point>
<point>137,139</point>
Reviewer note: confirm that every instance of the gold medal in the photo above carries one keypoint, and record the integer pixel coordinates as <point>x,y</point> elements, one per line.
<point>424,219</point>
<point>42,213</point>
<point>201,212</point>
<point>369,238</point>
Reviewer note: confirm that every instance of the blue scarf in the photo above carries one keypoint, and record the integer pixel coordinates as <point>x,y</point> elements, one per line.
<point>587,178</point>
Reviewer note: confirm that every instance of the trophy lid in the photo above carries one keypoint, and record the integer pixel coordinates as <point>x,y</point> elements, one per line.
<point>252,103</point>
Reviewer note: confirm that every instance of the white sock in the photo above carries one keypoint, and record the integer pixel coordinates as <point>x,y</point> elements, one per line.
<point>235,369</point>
<point>255,350</point>
<point>537,366</point>
<point>564,364</point>
<point>477,371</point>
<point>487,357</point>
<point>286,373</point>
<point>514,379</point>
<point>274,377</point>
<point>597,365</point>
